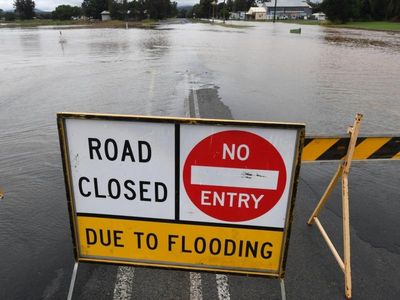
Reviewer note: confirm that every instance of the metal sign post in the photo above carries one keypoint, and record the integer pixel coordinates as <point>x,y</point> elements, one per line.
<point>342,172</point>
<point>72,283</point>
<point>283,290</point>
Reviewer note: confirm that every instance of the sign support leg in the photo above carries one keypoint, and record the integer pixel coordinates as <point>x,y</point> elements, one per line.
<point>327,193</point>
<point>72,284</point>
<point>343,173</point>
<point>283,291</point>
<point>346,236</point>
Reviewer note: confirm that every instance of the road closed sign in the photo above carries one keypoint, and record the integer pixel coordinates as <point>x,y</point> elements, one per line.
<point>211,195</point>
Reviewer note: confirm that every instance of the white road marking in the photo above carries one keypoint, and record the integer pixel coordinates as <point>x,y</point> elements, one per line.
<point>124,284</point>
<point>222,287</point>
<point>245,178</point>
<point>196,291</point>
<point>186,104</point>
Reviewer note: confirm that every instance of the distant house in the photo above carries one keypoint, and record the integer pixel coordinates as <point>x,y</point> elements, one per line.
<point>256,13</point>
<point>319,16</point>
<point>288,9</point>
<point>105,15</point>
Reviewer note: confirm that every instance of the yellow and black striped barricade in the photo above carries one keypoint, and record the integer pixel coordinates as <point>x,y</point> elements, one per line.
<point>335,148</point>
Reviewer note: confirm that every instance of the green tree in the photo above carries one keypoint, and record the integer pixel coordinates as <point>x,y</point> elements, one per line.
<point>195,11</point>
<point>250,3</point>
<point>240,5</point>
<point>158,9</point>
<point>119,10</point>
<point>93,8</point>
<point>173,11</point>
<point>141,9</point>
<point>378,9</point>
<point>25,9</point>
<point>341,11</point>
<point>224,8</point>
<point>229,5</point>
<point>393,9</point>
<point>315,6</point>
<point>365,10</point>
<point>9,16</point>
<point>66,12</point>
<point>203,9</point>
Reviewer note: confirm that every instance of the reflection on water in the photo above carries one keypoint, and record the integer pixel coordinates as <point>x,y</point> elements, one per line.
<point>321,77</point>
<point>108,47</point>
<point>30,42</point>
<point>157,42</point>
<point>107,43</point>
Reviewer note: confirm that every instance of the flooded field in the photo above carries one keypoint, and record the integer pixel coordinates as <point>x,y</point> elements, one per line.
<point>321,77</point>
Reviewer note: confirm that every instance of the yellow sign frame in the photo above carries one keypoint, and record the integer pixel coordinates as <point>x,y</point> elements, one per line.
<point>211,233</point>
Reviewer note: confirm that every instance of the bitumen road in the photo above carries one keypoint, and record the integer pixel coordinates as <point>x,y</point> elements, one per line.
<point>312,271</point>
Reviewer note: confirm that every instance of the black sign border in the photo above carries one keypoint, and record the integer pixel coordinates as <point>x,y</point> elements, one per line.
<point>299,127</point>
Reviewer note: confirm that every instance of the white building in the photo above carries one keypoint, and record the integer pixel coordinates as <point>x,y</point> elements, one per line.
<point>105,15</point>
<point>288,9</point>
<point>257,13</point>
<point>319,16</point>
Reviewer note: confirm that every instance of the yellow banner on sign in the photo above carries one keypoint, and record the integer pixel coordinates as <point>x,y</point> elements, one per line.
<point>179,245</point>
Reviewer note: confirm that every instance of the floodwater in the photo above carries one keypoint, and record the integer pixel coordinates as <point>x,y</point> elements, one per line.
<point>321,77</point>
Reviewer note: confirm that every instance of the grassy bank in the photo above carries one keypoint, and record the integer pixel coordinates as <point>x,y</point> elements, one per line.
<point>220,23</point>
<point>88,24</point>
<point>381,26</point>
<point>301,22</point>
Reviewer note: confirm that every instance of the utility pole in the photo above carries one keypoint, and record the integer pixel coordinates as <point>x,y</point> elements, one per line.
<point>213,5</point>
<point>213,12</point>
<point>275,12</point>
<point>224,11</point>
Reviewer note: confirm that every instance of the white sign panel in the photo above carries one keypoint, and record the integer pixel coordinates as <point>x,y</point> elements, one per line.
<point>237,176</point>
<point>122,168</point>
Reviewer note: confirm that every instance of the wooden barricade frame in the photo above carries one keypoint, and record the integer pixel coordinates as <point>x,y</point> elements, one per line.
<point>342,172</point>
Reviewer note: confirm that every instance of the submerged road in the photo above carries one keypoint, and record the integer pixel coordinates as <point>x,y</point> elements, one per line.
<point>312,272</point>
<point>260,72</point>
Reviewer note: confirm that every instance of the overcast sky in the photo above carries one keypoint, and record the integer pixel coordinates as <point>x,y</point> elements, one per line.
<point>49,5</point>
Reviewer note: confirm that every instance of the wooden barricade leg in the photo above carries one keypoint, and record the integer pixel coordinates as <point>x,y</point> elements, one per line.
<point>325,196</point>
<point>346,236</point>
<point>343,172</point>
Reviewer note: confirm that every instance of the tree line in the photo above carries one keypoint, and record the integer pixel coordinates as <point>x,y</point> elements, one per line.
<point>336,10</point>
<point>119,9</point>
<point>205,9</point>
<point>342,11</point>
<point>134,10</point>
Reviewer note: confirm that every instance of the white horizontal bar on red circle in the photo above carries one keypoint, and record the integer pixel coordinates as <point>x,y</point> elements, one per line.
<point>235,177</point>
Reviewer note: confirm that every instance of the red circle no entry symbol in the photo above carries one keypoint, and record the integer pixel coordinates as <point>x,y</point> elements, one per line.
<point>234,176</point>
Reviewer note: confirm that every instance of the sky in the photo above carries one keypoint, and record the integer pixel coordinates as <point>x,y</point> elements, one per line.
<point>50,5</point>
